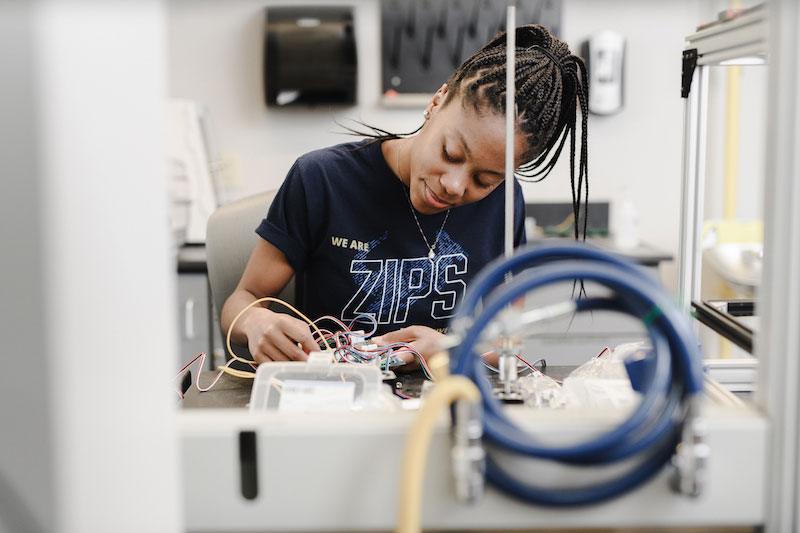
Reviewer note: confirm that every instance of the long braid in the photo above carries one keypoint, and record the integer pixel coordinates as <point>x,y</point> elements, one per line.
<point>551,85</point>
<point>576,193</point>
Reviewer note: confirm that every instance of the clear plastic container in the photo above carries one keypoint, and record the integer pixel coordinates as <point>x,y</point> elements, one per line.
<point>319,384</point>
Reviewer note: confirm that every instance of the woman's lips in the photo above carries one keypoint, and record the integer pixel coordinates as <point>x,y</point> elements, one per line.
<point>433,200</point>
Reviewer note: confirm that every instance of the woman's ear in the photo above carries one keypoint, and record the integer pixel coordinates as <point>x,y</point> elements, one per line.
<point>436,102</point>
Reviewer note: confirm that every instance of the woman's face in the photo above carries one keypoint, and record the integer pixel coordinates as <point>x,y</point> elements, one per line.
<point>458,157</point>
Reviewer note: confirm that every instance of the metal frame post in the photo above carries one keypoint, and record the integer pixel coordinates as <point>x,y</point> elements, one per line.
<point>692,188</point>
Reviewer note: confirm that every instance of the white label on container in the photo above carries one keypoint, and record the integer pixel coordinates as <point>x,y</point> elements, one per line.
<point>309,395</point>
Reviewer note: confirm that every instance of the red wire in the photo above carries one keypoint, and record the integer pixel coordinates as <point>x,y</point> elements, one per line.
<point>524,361</point>
<point>202,354</point>
<point>403,396</point>
<point>336,320</point>
<point>202,357</point>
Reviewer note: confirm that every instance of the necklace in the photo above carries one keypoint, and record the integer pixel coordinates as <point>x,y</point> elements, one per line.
<point>431,248</point>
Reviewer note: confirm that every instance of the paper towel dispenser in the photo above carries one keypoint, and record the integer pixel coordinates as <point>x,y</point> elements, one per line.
<point>310,56</point>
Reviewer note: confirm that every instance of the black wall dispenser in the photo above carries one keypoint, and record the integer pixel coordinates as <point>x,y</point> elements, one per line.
<point>310,56</point>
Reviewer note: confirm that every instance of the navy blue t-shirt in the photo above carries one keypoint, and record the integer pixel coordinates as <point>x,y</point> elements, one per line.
<point>343,220</point>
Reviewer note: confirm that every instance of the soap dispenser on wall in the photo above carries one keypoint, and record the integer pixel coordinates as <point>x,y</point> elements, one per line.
<point>604,53</point>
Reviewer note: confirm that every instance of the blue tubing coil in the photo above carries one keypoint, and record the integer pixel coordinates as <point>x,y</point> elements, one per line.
<point>673,377</point>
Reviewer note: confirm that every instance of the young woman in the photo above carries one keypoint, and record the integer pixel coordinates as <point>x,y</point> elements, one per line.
<point>397,225</point>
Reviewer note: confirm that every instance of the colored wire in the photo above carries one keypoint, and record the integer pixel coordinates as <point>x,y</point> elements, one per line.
<point>224,369</point>
<point>526,363</point>
<point>258,301</point>
<point>372,320</point>
<point>530,366</point>
<point>338,322</point>
<point>339,354</point>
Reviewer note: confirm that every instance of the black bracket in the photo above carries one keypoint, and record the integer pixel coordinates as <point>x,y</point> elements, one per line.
<point>689,64</point>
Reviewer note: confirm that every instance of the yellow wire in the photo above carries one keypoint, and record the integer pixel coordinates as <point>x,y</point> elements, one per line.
<point>234,372</point>
<point>445,392</point>
<point>239,373</point>
<point>565,224</point>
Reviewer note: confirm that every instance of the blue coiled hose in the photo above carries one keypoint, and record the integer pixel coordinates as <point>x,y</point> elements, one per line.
<point>652,430</point>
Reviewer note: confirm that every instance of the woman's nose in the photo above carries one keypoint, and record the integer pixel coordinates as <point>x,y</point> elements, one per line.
<point>454,184</point>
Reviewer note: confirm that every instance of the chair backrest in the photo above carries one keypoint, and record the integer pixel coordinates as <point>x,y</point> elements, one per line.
<point>230,239</point>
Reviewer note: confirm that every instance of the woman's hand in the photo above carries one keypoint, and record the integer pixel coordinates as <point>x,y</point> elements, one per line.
<point>423,339</point>
<point>275,336</point>
<point>270,336</point>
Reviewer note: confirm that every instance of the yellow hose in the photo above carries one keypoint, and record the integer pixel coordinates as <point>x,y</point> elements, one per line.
<point>731,180</point>
<point>446,391</point>
<point>733,106</point>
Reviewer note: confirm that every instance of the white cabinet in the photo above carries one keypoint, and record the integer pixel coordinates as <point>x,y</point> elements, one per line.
<point>193,317</point>
<point>197,323</point>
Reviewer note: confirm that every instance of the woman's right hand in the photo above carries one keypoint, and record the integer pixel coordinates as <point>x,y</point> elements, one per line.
<point>275,336</point>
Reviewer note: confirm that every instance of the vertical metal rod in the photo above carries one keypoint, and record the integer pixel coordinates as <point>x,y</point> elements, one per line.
<point>700,183</point>
<point>695,120</point>
<point>510,373</point>
<point>511,46</point>
<point>687,194</point>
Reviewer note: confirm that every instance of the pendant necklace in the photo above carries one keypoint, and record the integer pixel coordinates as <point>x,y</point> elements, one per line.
<point>431,248</point>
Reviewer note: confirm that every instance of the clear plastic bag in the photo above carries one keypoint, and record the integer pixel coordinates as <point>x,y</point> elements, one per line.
<point>539,390</point>
<point>603,381</point>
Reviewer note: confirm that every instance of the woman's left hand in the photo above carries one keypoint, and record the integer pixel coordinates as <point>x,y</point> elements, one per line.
<point>425,340</point>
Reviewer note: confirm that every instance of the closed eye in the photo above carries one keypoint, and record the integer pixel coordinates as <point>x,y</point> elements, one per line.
<point>447,156</point>
<point>476,178</point>
<point>481,184</point>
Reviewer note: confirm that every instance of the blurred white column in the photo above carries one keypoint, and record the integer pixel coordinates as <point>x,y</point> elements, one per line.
<point>26,467</point>
<point>778,339</point>
<point>90,344</point>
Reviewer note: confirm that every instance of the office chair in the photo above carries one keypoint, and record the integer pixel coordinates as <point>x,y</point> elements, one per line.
<point>230,239</point>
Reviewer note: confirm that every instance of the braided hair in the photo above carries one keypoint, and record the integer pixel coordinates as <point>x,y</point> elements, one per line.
<point>550,84</point>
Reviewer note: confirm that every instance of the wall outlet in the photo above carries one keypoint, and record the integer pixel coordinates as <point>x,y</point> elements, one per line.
<point>230,175</point>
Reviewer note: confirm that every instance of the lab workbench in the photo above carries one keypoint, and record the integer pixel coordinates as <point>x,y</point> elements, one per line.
<point>339,471</point>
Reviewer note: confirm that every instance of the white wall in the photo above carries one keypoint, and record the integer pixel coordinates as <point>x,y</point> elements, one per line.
<point>216,57</point>
<point>637,153</point>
